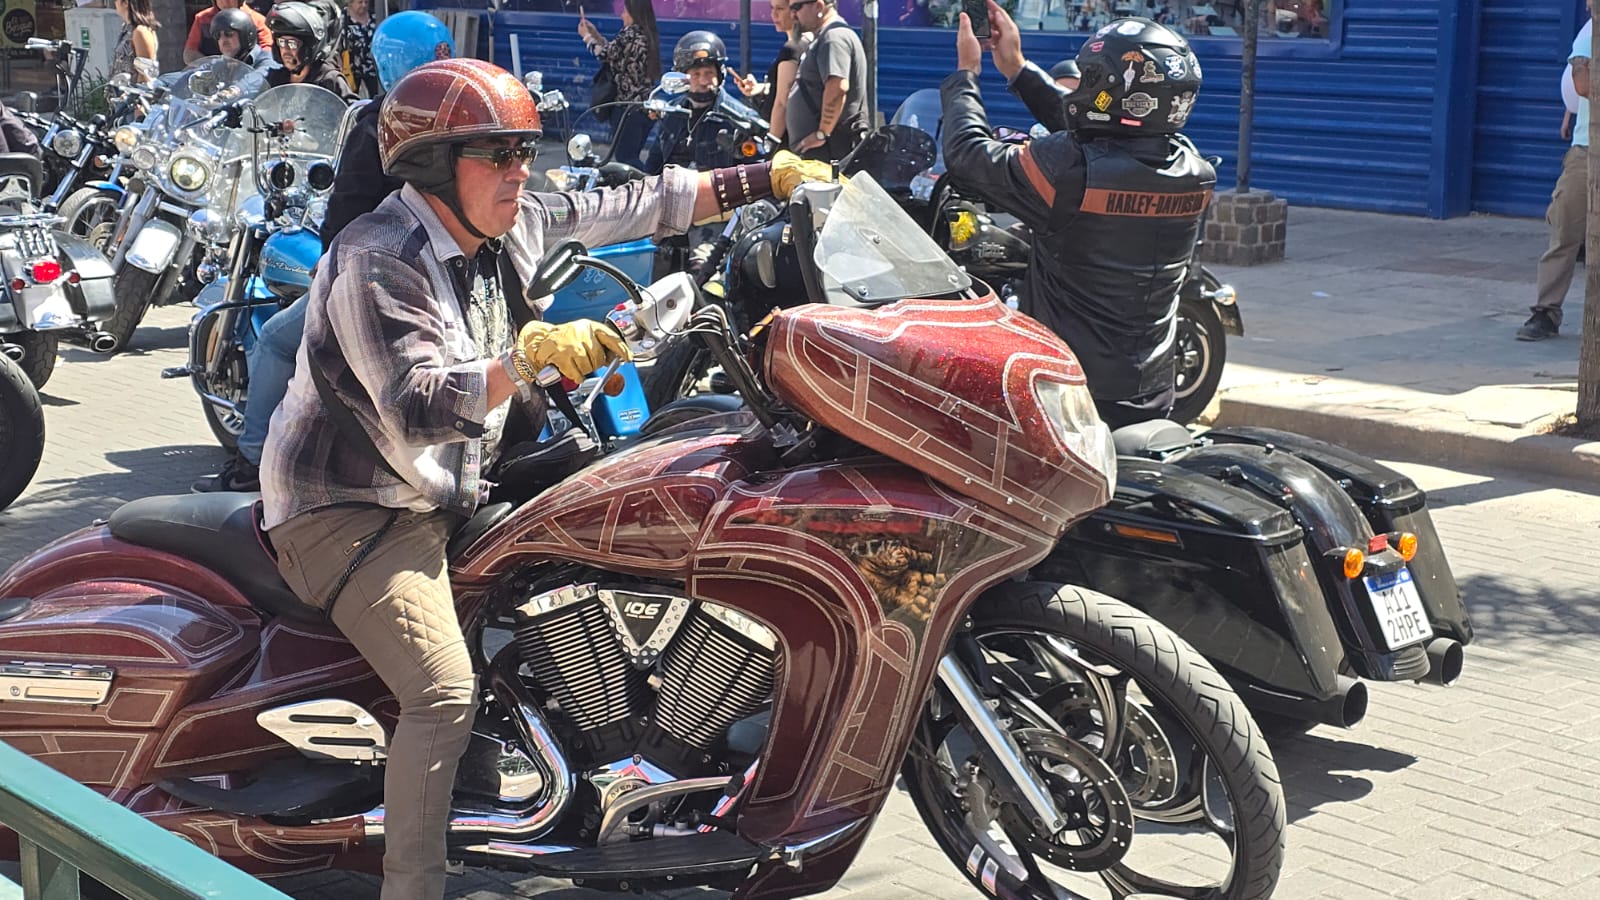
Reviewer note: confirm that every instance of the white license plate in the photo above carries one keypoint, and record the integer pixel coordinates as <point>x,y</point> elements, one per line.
<point>1399,608</point>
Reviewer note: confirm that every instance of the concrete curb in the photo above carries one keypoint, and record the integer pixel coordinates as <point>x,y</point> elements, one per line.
<point>1433,439</point>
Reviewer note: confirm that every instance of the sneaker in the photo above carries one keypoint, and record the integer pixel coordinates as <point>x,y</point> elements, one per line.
<point>1538,327</point>
<point>238,474</point>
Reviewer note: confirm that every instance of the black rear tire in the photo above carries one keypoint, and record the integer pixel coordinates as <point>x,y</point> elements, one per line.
<point>1202,348</point>
<point>21,431</point>
<point>1184,690</point>
<point>133,287</point>
<point>39,354</point>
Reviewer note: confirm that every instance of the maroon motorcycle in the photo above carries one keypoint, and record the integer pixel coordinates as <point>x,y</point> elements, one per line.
<point>706,656</point>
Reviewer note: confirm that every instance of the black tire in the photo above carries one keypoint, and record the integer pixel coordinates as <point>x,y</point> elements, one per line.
<point>1202,349</point>
<point>678,367</point>
<point>133,288</point>
<point>225,428</point>
<point>1186,697</point>
<point>91,213</point>
<point>21,431</point>
<point>39,354</point>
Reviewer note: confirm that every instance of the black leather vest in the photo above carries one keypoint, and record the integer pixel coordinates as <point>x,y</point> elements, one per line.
<point>1119,256</point>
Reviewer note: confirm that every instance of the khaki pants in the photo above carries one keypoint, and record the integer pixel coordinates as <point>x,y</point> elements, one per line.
<point>1567,216</point>
<point>398,611</point>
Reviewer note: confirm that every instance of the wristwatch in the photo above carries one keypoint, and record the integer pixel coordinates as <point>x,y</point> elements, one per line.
<point>821,135</point>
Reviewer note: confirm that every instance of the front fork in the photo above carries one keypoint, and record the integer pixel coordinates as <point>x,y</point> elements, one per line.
<point>980,716</point>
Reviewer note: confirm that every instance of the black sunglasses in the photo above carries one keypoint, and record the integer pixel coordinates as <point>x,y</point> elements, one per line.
<point>501,157</point>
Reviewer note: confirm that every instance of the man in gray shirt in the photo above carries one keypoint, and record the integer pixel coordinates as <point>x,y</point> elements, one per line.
<point>827,112</point>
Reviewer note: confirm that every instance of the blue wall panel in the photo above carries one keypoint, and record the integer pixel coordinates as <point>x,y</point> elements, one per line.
<point>1516,145</point>
<point>1380,118</point>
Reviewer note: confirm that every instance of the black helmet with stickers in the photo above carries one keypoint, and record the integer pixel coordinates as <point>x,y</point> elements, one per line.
<point>1138,77</point>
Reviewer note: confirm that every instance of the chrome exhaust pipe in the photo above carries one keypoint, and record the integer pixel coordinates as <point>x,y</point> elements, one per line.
<point>101,342</point>
<point>1344,709</point>
<point>1445,659</point>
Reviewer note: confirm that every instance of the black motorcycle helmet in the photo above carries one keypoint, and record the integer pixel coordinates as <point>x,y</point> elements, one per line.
<point>239,22</point>
<point>1138,77</point>
<point>307,21</point>
<point>700,48</point>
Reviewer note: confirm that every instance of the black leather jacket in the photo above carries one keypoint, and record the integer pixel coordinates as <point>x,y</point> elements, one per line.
<point>676,137</point>
<point>1114,224</point>
<point>360,185</point>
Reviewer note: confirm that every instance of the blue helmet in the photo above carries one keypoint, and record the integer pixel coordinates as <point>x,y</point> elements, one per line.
<point>406,40</point>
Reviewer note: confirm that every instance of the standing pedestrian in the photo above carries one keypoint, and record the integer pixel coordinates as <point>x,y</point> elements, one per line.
<point>1568,213</point>
<point>634,57</point>
<point>771,97</point>
<point>138,41</point>
<point>356,27</point>
<point>827,110</point>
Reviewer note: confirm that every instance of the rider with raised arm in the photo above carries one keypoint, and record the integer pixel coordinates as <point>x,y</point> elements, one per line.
<point>1114,197</point>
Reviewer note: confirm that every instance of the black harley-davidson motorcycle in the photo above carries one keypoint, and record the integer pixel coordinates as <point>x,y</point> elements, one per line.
<point>1299,568</point>
<point>1208,309</point>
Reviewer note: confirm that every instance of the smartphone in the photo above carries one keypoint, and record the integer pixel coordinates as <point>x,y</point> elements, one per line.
<point>978,13</point>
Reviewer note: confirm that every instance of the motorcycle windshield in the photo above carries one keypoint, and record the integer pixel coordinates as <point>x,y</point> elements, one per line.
<point>876,252</point>
<point>894,156</point>
<point>215,81</point>
<point>306,118</point>
<point>924,111</point>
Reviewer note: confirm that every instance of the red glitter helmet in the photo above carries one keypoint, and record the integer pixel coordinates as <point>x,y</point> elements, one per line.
<point>443,104</point>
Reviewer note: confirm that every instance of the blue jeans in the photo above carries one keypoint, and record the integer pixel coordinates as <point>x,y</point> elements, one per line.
<point>271,363</point>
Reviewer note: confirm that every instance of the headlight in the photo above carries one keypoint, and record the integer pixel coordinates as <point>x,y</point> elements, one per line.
<point>126,138</point>
<point>1070,409</point>
<point>188,173</point>
<point>144,157</point>
<point>67,143</point>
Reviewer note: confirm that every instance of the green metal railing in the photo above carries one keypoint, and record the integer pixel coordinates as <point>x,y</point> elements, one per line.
<point>67,828</point>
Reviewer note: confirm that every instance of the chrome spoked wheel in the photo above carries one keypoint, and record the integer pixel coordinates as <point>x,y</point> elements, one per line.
<point>1164,782</point>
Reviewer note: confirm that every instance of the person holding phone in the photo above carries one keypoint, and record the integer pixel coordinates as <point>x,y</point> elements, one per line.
<point>827,110</point>
<point>1114,196</point>
<point>771,97</point>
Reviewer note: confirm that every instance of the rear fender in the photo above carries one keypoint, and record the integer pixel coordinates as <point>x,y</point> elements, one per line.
<point>1391,502</point>
<point>1223,568</point>
<point>97,300</point>
<point>1332,523</point>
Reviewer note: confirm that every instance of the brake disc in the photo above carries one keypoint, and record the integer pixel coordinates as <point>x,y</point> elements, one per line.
<point>1089,795</point>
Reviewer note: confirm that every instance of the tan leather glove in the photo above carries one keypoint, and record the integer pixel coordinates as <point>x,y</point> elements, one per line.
<point>789,171</point>
<point>577,349</point>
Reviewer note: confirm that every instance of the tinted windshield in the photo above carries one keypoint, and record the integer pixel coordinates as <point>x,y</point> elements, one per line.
<point>923,110</point>
<point>877,253</point>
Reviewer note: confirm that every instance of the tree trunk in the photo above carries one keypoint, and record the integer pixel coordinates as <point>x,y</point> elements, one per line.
<point>174,29</point>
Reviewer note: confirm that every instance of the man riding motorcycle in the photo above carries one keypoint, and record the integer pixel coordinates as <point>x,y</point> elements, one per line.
<point>401,43</point>
<point>303,33</point>
<point>1114,202</point>
<point>236,35</point>
<point>703,57</point>
<point>419,339</point>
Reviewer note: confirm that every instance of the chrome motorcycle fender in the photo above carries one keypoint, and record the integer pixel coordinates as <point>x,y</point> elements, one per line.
<point>153,246</point>
<point>94,276</point>
<point>1391,502</point>
<point>1226,570</point>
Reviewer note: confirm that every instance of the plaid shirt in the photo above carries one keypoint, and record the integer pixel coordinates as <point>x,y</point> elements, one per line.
<point>385,323</point>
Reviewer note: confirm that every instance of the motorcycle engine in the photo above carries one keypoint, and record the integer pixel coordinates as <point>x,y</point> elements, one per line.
<point>638,671</point>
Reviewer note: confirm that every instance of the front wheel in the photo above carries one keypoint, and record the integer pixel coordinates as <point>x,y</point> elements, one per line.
<point>1132,733</point>
<point>231,383</point>
<point>133,288</point>
<point>1202,349</point>
<point>92,213</point>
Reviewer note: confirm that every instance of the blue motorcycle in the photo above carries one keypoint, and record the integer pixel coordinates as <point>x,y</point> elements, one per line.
<point>296,131</point>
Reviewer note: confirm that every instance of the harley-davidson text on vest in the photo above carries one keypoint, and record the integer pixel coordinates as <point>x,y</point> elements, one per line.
<point>1121,256</point>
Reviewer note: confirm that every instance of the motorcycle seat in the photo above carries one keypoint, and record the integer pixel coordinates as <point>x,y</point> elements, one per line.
<point>220,531</point>
<point>1155,439</point>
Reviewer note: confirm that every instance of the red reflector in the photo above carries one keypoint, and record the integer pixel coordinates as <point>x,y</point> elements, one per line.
<point>46,271</point>
<point>73,277</point>
<point>17,284</point>
<point>1377,544</point>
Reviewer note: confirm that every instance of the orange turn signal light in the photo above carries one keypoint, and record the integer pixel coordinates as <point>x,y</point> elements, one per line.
<point>749,149</point>
<point>1147,534</point>
<point>614,385</point>
<point>1354,562</point>
<point>1406,545</point>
